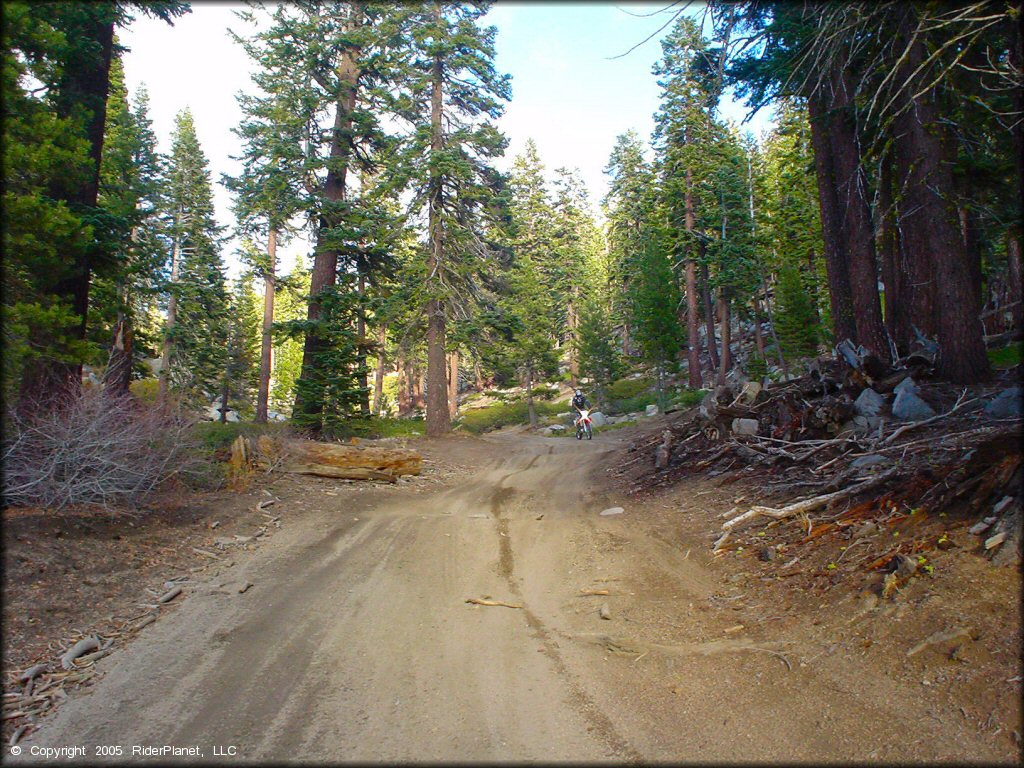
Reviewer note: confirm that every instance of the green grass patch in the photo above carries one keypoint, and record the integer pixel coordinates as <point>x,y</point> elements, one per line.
<point>374,428</point>
<point>1008,356</point>
<point>480,420</point>
<point>216,437</point>
<point>690,397</point>
<point>624,389</point>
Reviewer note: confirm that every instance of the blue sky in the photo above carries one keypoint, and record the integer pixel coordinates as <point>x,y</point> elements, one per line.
<point>568,94</point>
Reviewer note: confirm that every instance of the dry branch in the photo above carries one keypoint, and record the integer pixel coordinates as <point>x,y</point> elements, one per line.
<point>80,648</point>
<point>481,601</point>
<point>802,507</point>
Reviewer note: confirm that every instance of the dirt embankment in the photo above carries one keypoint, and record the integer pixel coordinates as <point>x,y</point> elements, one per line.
<point>345,633</point>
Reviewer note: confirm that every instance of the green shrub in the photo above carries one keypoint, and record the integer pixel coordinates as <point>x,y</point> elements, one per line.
<point>373,428</point>
<point>480,420</point>
<point>215,436</point>
<point>690,397</point>
<point>626,388</point>
<point>1008,356</point>
<point>757,367</point>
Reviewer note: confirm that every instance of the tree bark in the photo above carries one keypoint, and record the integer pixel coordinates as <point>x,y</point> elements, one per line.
<point>267,343</point>
<point>453,383</point>
<point>531,410</point>
<point>378,376</point>
<point>923,154</point>
<point>894,277</point>
<point>856,230</point>
<point>310,404</point>
<point>693,337</point>
<point>438,420</point>
<point>404,402</point>
<point>118,375</point>
<point>839,290</point>
<point>709,312</point>
<point>724,321</point>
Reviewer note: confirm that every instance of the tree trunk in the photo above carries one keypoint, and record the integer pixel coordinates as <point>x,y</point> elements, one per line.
<point>453,383</point>
<point>267,343</point>
<point>709,312</point>
<point>529,398</point>
<point>724,320</point>
<point>84,85</point>
<point>378,377</point>
<point>855,227</point>
<point>922,150</point>
<point>478,375</point>
<point>118,376</point>
<point>758,334</point>
<point>573,323</point>
<point>172,318</point>
<point>1014,293</point>
<point>438,420</point>
<point>309,404</point>
<point>693,337</point>
<point>771,321</point>
<point>404,401</point>
<point>894,277</point>
<point>416,392</point>
<point>839,290</point>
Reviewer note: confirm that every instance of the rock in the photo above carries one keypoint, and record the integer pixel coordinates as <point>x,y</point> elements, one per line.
<point>557,428</point>
<point>767,554</point>
<point>872,460</point>
<point>1003,504</point>
<point>709,406</point>
<point>903,566</point>
<point>979,528</point>
<point>749,392</point>
<point>652,410</point>
<point>994,541</point>
<point>565,415</point>
<point>612,511</point>
<point>868,403</point>
<point>605,612</point>
<point>546,432</point>
<point>949,638</point>
<point>1007,404</point>
<point>866,529</point>
<point>907,385</point>
<point>909,407</point>
<point>598,419</point>
<point>866,423</point>
<point>245,587</point>
<point>745,426</point>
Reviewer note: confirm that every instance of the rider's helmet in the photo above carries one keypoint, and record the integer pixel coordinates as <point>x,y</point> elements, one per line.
<point>579,393</point>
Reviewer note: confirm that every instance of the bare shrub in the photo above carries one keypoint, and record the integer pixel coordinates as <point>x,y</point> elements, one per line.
<point>96,449</point>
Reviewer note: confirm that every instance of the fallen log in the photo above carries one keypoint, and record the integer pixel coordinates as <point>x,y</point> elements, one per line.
<point>801,507</point>
<point>348,462</point>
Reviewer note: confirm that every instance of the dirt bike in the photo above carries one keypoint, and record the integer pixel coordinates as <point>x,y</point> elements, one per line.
<point>584,426</point>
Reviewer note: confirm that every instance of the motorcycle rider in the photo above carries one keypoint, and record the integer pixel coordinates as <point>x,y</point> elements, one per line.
<point>579,404</point>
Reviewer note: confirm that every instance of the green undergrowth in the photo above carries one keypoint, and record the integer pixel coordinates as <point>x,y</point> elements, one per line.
<point>375,428</point>
<point>214,436</point>
<point>1008,356</point>
<point>498,415</point>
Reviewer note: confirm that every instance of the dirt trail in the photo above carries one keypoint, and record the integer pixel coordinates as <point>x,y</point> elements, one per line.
<point>356,644</point>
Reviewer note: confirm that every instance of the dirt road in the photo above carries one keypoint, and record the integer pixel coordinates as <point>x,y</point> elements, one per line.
<point>356,643</point>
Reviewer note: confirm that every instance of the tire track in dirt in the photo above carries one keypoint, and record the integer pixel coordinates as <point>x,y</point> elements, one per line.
<point>578,697</point>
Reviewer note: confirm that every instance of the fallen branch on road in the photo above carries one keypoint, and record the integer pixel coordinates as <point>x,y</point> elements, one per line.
<point>481,601</point>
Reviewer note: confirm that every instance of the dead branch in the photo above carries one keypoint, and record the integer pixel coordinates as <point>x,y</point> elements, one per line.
<point>960,404</point>
<point>481,601</point>
<point>801,507</point>
<point>80,648</point>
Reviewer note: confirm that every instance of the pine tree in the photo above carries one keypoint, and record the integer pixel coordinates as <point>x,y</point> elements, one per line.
<point>196,334</point>
<point>453,89</point>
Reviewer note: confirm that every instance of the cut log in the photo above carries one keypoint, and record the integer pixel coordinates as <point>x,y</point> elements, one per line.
<point>342,473</point>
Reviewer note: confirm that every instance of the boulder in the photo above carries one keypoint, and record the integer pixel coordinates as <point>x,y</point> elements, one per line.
<point>909,407</point>
<point>1007,404</point>
<point>749,393</point>
<point>907,385</point>
<point>652,410</point>
<point>745,426</point>
<point>598,419</point>
<point>866,423</point>
<point>557,428</point>
<point>868,403</point>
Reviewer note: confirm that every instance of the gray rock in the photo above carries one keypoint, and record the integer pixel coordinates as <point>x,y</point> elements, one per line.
<point>868,403</point>
<point>565,415</point>
<point>750,392</point>
<point>605,612</point>
<point>909,407</point>
<point>866,423</point>
<point>709,406</point>
<point>598,419</point>
<point>979,528</point>
<point>744,426</point>
<point>872,460</point>
<point>557,428</point>
<point>907,385</point>
<point>612,511</point>
<point>652,410</point>
<point>1007,404</point>
<point>1003,504</point>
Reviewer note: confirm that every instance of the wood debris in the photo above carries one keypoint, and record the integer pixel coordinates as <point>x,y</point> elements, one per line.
<point>483,601</point>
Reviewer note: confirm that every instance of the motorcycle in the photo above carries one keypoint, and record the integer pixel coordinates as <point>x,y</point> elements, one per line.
<point>584,426</point>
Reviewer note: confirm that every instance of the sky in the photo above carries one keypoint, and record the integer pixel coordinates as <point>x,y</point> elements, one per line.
<point>568,92</point>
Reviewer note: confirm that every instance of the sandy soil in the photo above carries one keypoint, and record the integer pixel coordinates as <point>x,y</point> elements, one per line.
<point>355,641</point>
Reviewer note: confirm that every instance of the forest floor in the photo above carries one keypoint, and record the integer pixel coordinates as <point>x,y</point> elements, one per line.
<point>341,631</point>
